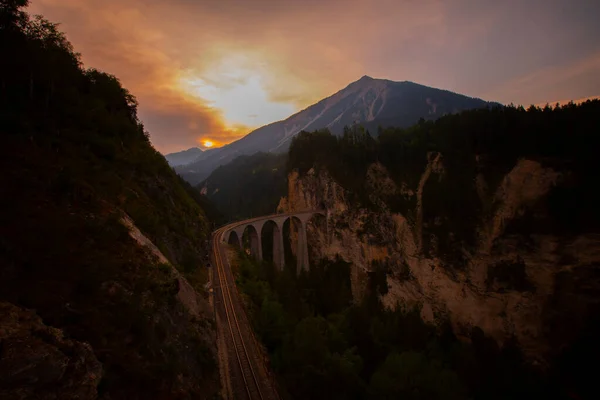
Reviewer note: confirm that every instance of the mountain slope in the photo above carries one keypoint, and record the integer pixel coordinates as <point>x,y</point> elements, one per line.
<point>101,278</point>
<point>368,101</point>
<point>248,186</point>
<point>184,157</point>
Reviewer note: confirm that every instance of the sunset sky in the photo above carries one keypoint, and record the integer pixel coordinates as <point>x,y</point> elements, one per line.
<point>211,70</point>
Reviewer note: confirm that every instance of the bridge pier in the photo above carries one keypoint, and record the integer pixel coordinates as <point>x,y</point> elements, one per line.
<point>302,249</point>
<point>255,247</point>
<point>278,252</point>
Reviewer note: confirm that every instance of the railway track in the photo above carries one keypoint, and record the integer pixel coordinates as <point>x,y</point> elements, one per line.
<point>248,381</point>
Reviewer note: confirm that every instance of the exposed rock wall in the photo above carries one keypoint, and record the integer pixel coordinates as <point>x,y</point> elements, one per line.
<point>511,283</point>
<point>186,294</point>
<point>37,361</point>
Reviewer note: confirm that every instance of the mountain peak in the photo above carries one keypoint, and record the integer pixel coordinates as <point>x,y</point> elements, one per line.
<point>365,78</point>
<point>363,82</point>
<point>368,101</point>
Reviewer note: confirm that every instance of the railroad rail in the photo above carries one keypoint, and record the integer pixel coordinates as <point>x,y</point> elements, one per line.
<point>238,335</point>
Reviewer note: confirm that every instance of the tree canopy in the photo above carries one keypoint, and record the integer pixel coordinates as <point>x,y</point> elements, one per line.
<point>323,344</point>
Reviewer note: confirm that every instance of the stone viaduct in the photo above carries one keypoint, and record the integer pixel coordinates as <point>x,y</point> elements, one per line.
<point>254,227</point>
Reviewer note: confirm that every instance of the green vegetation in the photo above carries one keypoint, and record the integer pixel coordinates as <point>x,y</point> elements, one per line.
<point>74,158</point>
<point>346,158</point>
<point>248,186</point>
<point>486,142</point>
<point>323,346</point>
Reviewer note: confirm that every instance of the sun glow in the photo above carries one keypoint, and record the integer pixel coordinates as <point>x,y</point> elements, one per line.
<point>235,87</point>
<point>208,143</point>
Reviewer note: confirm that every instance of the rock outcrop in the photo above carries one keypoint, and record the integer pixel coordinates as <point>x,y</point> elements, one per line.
<point>509,281</point>
<point>37,361</point>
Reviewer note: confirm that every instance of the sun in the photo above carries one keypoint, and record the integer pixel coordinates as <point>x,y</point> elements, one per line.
<point>208,143</point>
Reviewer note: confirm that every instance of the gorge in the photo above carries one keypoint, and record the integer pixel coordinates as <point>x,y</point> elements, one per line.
<point>398,241</point>
<point>481,227</point>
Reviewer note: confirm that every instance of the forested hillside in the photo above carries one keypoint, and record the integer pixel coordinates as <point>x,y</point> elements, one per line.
<point>325,345</point>
<point>86,308</point>
<point>487,142</point>
<point>248,186</point>
<point>487,221</point>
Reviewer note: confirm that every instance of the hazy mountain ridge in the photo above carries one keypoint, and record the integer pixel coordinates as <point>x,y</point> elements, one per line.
<point>368,101</point>
<point>184,157</point>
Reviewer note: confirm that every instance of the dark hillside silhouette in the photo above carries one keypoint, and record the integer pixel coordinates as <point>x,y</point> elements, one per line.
<point>74,160</point>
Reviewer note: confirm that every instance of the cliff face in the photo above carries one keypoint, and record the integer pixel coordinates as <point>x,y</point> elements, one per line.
<point>513,275</point>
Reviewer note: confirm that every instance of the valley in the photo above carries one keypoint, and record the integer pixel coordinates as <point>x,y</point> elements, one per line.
<point>390,240</point>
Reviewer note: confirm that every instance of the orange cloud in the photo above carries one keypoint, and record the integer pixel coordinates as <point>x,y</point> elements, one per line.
<point>123,41</point>
<point>294,49</point>
<point>215,69</point>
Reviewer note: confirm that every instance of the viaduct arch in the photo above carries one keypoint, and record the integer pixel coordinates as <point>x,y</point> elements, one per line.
<point>254,228</point>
